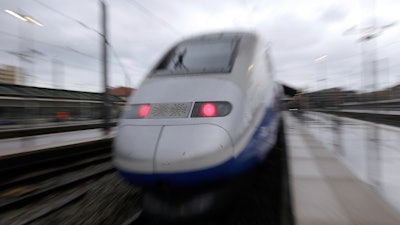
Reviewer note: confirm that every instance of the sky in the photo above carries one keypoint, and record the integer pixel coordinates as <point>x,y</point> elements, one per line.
<point>66,51</point>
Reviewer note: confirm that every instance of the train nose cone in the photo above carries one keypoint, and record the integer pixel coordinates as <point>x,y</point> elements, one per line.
<point>135,147</point>
<point>191,147</point>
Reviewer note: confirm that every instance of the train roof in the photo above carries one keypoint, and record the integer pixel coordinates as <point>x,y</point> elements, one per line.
<point>220,35</point>
<point>213,53</point>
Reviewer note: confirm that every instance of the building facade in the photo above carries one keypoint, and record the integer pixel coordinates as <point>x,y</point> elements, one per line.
<point>8,74</point>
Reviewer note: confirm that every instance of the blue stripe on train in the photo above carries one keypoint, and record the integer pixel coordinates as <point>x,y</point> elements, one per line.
<point>253,153</point>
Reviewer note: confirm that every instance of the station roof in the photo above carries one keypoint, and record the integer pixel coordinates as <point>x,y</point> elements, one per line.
<point>36,92</point>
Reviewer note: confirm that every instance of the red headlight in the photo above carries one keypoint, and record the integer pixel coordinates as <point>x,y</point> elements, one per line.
<point>211,109</point>
<point>208,110</point>
<point>143,110</point>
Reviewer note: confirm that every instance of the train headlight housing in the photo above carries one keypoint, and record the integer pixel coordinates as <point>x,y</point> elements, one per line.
<point>211,109</point>
<point>136,111</point>
<point>177,110</point>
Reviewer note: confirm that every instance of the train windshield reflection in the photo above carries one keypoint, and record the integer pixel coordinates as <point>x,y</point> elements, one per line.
<point>211,56</point>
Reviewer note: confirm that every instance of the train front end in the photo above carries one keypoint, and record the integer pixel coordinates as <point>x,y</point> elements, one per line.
<point>204,115</point>
<point>175,129</point>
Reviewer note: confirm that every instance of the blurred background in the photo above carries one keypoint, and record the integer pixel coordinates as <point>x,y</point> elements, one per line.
<point>336,54</point>
<point>343,51</point>
<point>78,61</point>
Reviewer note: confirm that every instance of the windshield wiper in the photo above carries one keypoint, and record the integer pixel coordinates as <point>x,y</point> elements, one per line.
<point>179,62</point>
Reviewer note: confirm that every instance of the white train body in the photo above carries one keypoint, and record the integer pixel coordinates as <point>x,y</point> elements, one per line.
<point>209,110</point>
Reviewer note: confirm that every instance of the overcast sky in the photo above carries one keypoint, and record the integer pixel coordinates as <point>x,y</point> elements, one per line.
<point>298,31</point>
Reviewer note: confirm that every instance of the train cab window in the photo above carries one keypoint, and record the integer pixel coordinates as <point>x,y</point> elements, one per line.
<point>201,56</point>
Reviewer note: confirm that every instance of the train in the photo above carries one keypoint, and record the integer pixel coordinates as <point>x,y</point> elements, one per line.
<point>207,112</point>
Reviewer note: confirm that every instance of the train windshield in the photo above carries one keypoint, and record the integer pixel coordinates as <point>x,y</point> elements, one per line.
<point>202,56</point>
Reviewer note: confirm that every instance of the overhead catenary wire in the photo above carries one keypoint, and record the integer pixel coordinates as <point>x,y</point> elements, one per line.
<point>154,16</point>
<point>65,48</point>
<point>120,64</point>
<point>336,60</point>
<point>123,68</point>
<point>49,44</point>
<point>59,54</point>
<point>48,60</point>
<point>68,17</point>
<point>136,5</point>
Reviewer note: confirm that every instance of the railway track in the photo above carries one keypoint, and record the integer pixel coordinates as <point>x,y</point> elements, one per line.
<point>27,178</point>
<point>31,168</point>
<point>84,189</point>
<point>26,193</point>
<point>31,131</point>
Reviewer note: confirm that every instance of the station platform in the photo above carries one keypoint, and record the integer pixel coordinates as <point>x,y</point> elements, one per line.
<point>324,190</point>
<point>12,146</point>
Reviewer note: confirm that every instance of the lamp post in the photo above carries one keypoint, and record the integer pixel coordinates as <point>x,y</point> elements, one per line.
<point>322,61</point>
<point>368,35</point>
<point>322,74</point>
<point>22,53</point>
<point>369,55</point>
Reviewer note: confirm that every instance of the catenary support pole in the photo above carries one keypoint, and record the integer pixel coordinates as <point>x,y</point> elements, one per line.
<point>106,100</point>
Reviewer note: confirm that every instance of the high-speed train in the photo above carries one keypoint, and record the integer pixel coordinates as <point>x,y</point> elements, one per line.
<point>208,111</point>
